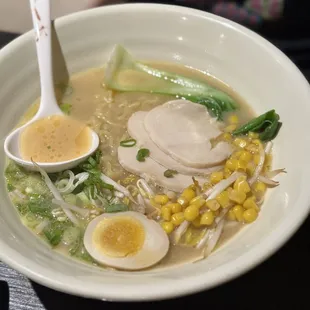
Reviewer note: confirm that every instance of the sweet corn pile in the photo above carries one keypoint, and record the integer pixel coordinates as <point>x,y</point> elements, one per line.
<point>240,200</point>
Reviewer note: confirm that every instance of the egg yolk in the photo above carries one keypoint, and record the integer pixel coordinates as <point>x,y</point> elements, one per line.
<point>55,138</point>
<point>119,237</point>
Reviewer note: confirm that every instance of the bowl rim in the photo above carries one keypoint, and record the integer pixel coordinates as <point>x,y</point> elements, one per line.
<point>168,288</point>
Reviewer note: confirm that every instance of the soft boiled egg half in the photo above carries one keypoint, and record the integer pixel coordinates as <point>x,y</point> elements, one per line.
<point>126,240</point>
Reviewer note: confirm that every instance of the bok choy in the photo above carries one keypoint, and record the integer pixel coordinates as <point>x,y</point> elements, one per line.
<point>123,73</point>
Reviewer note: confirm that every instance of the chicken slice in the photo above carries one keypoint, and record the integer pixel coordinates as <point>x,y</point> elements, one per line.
<point>153,170</point>
<point>184,130</point>
<point>137,131</point>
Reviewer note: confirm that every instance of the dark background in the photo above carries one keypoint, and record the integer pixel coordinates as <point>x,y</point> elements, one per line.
<point>280,282</point>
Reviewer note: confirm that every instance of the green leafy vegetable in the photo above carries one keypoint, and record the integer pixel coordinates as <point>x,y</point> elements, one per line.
<point>152,80</point>
<point>128,143</point>
<point>170,173</point>
<point>92,166</point>
<point>267,125</point>
<point>42,207</point>
<point>10,187</point>
<point>25,181</point>
<point>116,208</point>
<point>14,173</point>
<point>66,108</point>
<point>142,154</point>
<point>54,232</point>
<point>22,208</point>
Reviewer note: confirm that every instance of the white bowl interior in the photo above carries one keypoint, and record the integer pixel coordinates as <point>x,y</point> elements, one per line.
<point>252,66</point>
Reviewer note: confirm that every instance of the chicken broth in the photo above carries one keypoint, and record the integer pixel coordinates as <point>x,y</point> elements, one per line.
<point>109,183</point>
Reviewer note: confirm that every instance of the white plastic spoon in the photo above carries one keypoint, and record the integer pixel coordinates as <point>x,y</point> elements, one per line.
<point>40,10</point>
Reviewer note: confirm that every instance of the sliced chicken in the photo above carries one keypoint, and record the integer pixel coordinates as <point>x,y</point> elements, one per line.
<point>184,130</point>
<point>151,169</point>
<point>137,131</point>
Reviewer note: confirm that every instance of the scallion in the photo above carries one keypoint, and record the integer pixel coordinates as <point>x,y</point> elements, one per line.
<point>128,143</point>
<point>170,173</point>
<point>116,208</point>
<point>142,154</point>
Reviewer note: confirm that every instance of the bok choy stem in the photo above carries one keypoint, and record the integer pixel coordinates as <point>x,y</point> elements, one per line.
<point>123,73</point>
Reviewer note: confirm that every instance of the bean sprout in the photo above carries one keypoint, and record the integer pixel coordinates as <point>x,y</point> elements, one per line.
<point>55,193</point>
<point>221,186</point>
<point>144,188</point>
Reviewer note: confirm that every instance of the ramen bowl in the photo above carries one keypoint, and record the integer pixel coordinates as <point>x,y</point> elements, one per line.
<point>253,67</point>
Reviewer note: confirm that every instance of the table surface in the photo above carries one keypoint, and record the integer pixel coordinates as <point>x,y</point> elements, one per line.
<point>281,281</point>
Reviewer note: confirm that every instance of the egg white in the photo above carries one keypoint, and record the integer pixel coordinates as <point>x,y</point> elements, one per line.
<point>154,248</point>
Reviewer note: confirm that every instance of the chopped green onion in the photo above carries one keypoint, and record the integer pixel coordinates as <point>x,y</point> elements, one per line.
<point>128,143</point>
<point>170,173</point>
<point>116,208</point>
<point>66,108</point>
<point>10,187</point>
<point>54,232</point>
<point>142,154</point>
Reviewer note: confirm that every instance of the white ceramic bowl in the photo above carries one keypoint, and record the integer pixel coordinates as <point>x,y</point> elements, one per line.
<point>256,69</point>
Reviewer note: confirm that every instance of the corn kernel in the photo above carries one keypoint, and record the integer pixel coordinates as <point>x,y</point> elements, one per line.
<point>240,142</point>
<point>191,213</point>
<point>231,215</point>
<point>256,159</point>
<point>231,164</point>
<point>161,199</point>
<point>175,207</point>
<point>259,189</point>
<point>241,165</point>
<point>189,194</point>
<point>250,203</point>
<point>207,218</point>
<point>223,199</point>
<point>250,215</point>
<point>257,142</point>
<point>227,173</point>
<point>165,213</point>
<point>237,196</point>
<point>196,222</point>
<point>154,204</point>
<point>167,227</point>
<point>227,137</point>
<point>213,205</point>
<point>246,156</point>
<point>206,186</point>
<point>193,187</point>
<point>198,201</point>
<point>238,212</point>
<point>177,218</point>
<point>217,177</point>
<point>230,128</point>
<point>250,168</point>
<point>233,119</point>
<point>253,135</point>
<point>229,189</point>
<point>242,185</point>
<point>236,154</point>
<point>252,148</point>
<point>183,202</point>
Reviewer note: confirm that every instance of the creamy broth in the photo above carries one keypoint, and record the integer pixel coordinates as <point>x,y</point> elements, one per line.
<point>55,138</point>
<point>107,112</point>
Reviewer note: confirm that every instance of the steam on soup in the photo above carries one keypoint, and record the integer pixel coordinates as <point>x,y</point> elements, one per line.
<point>183,164</point>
